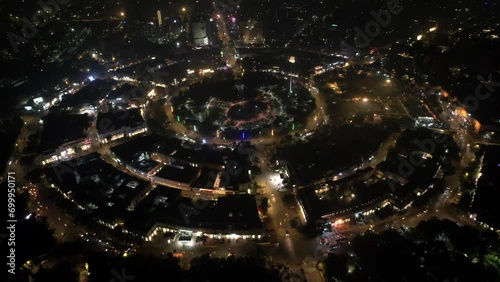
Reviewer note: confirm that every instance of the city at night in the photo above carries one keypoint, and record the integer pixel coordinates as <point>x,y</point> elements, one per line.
<point>250,140</point>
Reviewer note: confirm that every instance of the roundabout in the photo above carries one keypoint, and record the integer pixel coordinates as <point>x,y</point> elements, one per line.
<point>193,142</point>
<point>244,112</point>
<point>259,105</point>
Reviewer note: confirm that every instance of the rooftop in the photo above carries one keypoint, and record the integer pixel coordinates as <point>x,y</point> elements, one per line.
<point>487,192</point>
<point>164,205</point>
<point>97,186</point>
<point>184,174</point>
<point>111,121</point>
<point>125,91</point>
<point>89,94</point>
<point>61,128</point>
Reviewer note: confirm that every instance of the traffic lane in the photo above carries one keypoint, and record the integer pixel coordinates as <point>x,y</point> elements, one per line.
<point>290,242</point>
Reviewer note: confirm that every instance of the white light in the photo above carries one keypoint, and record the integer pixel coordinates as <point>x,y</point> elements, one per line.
<point>38,100</point>
<point>91,78</point>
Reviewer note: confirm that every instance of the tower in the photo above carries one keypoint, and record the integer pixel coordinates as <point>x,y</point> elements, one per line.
<point>160,22</point>
<point>292,61</point>
<point>199,28</point>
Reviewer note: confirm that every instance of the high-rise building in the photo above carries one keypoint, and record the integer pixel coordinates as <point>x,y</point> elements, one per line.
<point>160,22</point>
<point>292,61</point>
<point>199,28</point>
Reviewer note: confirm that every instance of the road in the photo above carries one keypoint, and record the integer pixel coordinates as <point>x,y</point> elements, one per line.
<point>315,119</point>
<point>286,245</point>
<point>40,200</point>
<point>318,116</point>
<point>228,47</point>
<point>444,207</point>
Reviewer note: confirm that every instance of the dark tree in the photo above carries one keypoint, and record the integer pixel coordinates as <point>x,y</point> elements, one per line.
<point>61,272</point>
<point>336,266</point>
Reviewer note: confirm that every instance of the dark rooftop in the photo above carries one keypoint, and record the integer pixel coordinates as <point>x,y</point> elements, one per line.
<point>184,174</point>
<point>164,205</point>
<point>206,179</point>
<point>125,91</point>
<point>110,121</point>
<point>90,94</point>
<point>315,207</point>
<point>61,128</point>
<point>97,186</point>
<point>205,155</point>
<point>488,188</point>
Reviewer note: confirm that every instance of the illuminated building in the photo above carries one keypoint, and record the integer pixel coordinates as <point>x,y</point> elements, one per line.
<point>199,28</point>
<point>160,23</point>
